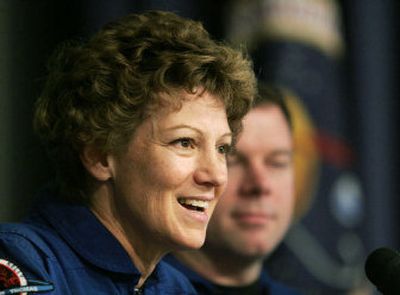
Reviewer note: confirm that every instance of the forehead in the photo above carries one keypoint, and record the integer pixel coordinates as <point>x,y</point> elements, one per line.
<point>175,98</point>
<point>265,127</point>
<point>203,113</point>
<point>186,105</point>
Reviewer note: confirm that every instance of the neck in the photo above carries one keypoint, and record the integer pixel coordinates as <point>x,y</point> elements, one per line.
<point>144,253</point>
<point>222,268</point>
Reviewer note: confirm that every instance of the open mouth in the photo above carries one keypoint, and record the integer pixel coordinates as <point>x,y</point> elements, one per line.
<point>192,204</point>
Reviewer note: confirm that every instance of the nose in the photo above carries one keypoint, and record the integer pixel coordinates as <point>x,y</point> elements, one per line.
<point>211,170</point>
<point>255,181</point>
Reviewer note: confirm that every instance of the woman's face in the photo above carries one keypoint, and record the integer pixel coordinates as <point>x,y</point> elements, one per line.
<point>166,184</point>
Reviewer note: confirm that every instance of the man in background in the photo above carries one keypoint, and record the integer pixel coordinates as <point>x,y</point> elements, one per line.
<point>256,210</point>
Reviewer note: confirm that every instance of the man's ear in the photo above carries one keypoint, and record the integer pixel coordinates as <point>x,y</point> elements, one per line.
<point>96,163</point>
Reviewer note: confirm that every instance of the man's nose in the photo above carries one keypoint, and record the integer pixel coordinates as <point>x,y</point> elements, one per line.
<point>255,181</point>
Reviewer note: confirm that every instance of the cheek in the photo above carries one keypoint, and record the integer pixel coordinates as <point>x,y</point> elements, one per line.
<point>230,194</point>
<point>285,187</point>
<point>223,209</point>
<point>286,204</point>
<point>235,178</point>
<point>170,172</point>
<point>229,198</point>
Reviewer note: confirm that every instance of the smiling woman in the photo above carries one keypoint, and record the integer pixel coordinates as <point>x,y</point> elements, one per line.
<point>138,121</point>
<point>187,174</point>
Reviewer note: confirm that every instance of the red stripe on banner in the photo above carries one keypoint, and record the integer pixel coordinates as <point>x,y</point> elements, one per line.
<point>334,150</point>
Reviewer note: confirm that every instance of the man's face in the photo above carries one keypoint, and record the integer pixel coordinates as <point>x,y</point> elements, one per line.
<point>255,211</point>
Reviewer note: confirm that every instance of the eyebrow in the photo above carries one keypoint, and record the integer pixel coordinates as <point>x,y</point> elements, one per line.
<point>184,126</point>
<point>280,152</point>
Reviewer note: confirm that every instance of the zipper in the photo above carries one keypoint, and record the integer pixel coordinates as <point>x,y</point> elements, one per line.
<point>138,291</point>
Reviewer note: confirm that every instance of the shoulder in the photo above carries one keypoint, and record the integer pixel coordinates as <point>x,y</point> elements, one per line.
<point>173,280</point>
<point>24,258</point>
<point>17,237</point>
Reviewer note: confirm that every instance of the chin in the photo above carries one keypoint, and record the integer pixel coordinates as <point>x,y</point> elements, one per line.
<point>253,253</point>
<point>192,242</point>
<point>257,249</point>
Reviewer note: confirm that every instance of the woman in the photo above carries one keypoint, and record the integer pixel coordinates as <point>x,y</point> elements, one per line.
<point>138,122</point>
<point>255,211</point>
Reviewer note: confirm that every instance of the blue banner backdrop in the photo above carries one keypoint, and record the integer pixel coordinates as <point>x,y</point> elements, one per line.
<point>300,46</point>
<point>348,201</point>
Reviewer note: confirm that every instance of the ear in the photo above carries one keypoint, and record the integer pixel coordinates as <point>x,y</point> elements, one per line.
<point>96,163</point>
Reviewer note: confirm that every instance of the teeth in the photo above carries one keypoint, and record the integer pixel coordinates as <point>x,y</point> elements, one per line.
<point>194,203</point>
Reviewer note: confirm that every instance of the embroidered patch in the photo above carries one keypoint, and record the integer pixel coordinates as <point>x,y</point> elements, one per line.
<point>13,281</point>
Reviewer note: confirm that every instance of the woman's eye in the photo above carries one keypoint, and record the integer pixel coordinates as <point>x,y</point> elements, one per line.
<point>225,149</point>
<point>184,142</point>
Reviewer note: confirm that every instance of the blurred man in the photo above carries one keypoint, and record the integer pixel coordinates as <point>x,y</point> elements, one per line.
<point>255,211</point>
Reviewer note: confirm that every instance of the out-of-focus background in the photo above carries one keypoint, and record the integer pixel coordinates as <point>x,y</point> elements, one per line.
<point>338,61</point>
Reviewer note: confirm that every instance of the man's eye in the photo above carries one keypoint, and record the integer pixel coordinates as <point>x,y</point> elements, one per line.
<point>234,158</point>
<point>278,164</point>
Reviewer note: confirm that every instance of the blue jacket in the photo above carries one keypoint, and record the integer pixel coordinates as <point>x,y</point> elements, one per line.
<point>205,287</point>
<point>62,249</point>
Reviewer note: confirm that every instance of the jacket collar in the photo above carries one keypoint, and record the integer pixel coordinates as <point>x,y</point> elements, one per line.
<point>81,229</point>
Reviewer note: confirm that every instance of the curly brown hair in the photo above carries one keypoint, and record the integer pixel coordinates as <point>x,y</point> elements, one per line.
<point>100,91</point>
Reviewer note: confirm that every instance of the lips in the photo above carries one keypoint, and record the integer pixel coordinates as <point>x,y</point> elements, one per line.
<point>194,204</point>
<point>253,218</point>
<point>196,210</point>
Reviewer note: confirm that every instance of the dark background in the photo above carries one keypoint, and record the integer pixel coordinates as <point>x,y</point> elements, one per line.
<point>356,103</point>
